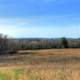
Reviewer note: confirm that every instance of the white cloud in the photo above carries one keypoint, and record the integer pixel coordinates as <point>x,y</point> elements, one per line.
<point>14,21</point>
<point>12,26</point>
<point>16,31</point>
<point>20,28</point>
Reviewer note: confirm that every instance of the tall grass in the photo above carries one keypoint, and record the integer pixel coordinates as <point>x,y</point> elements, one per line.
<point>43,65</point>
<point>40,73</point>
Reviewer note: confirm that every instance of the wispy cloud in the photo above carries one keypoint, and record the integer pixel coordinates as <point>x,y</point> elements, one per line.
<point>13,26</point>
<point>18,27</point>
<point>14,21</point>
<point>16,31</point>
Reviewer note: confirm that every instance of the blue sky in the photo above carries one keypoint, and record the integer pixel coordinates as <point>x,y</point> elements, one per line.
<point>40,18</point>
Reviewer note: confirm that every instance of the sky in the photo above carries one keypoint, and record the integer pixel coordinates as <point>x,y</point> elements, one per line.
<point>40,18</point>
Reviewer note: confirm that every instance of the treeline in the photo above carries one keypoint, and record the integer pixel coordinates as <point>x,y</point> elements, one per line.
<point>45,43</point>
<point>7,44</point>
<point>12,44</point>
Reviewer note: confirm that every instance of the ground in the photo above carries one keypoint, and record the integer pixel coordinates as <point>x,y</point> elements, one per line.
<point>52,64</point>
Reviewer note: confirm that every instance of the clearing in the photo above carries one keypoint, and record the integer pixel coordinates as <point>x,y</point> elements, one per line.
<point>52,64</point>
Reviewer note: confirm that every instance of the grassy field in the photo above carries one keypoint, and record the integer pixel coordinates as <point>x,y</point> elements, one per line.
<point>39,73</point>
<point>53,64</point>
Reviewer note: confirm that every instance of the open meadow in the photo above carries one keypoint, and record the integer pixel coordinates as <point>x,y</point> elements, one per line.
<point>52,64</point>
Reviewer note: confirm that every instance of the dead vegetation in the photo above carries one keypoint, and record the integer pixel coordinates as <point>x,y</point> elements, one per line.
<point>53,64</point>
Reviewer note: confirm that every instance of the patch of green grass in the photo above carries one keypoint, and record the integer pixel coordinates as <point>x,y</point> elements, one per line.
<point>4,76</point>
<point>17,73</point>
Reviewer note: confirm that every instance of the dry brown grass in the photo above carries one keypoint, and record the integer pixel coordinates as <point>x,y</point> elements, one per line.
<point>54,52</point>
<point>54,64</point>
<point>41,72</point>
